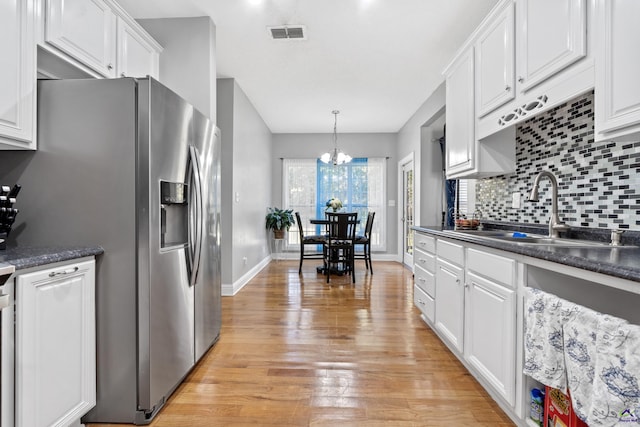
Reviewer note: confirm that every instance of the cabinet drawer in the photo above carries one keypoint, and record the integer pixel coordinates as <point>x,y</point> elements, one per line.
<point>496,267</point>
<point>425,260</point>
<point>425,280</point>
<point>425,303</point>
<point>450,251</point>
<point>425,243</point>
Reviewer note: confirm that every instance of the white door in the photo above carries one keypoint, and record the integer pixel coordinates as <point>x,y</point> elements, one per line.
<point>408,211</point>
<point>450,303</point>
<point>490,336</point>
<point>551,36</point>
<point>617,65</point>
<point>495,63</point>
<point>84,29</point>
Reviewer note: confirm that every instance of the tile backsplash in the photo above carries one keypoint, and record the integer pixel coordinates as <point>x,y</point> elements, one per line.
<point>598,182</point>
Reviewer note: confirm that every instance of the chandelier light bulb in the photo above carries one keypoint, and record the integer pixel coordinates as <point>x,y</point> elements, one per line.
<point>335,157</point>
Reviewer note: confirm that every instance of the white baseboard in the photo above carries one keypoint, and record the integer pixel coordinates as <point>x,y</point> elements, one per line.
<point>229,290</point>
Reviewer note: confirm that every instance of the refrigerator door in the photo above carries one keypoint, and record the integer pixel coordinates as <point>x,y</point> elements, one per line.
<point>208,282</point>
<point>165,299</point>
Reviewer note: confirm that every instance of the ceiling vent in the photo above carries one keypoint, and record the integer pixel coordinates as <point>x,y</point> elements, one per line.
<point>288,32</point>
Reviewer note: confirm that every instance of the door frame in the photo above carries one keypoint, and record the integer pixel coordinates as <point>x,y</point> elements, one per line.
<point>400,206</point>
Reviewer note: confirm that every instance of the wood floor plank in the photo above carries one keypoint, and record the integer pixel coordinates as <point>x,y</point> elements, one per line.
<point>296,351</point>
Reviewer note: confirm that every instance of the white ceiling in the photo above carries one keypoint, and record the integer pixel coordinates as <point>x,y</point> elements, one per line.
<point>376,61</point>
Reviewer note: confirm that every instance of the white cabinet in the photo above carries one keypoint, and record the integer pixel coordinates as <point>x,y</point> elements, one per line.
<point>97,37</point>
<point>460,114</point>
<point>55,344</point>
<point>137,56</point>
<point>424,267</point>
<point>617,68</point>
<point>552,35</point>
<point>495,62</point>
<point>490,320</point>
<point>17,75</point>
<point>450,292</point>
<point>85,30</point>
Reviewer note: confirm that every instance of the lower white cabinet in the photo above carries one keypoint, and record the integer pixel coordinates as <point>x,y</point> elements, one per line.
<point>450,302</point>
<point>490,338</point>
<point>55,344</point>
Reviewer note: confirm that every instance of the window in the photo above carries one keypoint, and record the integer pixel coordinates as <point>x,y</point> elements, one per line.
<point>308,184</point>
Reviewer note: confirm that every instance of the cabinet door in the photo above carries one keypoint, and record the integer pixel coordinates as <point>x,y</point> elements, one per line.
<point>136,57</point>
<point>617,65</point>
<point>552,35</point>
<point>495,62</point>
<point>450,302</point>
<point>55,345</point>
<point>17,74</point>
<point>85,30</point>
<point>490,335</point>
<point>460,116</point>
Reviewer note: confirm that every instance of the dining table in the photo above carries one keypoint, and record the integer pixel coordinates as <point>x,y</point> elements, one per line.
<point>324,221</point>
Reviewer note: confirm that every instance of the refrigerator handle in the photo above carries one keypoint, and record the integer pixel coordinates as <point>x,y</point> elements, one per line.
<point>195,246</point>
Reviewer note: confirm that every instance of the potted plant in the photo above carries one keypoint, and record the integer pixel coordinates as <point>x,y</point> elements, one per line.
<point>279,220</point>
<point>334,204</point>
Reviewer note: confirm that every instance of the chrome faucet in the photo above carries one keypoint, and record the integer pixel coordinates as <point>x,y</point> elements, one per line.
<point>555,225</point>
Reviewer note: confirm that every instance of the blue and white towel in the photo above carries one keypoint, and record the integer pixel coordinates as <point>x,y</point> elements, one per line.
<point>545,315</point>
<point>579,335</point>
<point>616,387</point>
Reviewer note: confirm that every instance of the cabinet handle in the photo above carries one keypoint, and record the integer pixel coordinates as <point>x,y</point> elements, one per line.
<point>110,67</point>
<point>521,79</point>
<point>122,74</point>
<point>466,285</point>
<point>420,301</point>
<point>421,279</point>
<point>63,272</point>
<point>458,281</point>
<point>507,88</point>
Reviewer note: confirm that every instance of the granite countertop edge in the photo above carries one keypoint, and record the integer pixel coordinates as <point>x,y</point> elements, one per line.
<point>597,259</point>
<point>35,256</point>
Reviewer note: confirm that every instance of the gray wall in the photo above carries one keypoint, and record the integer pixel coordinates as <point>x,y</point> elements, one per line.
<point>187,63</point>
<point>417,136</point>
<point>291,145</point>
<point>246,181</point>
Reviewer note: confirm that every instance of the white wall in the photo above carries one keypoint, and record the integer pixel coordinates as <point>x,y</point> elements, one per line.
<point>187,63</point>
<point>292,145</point>
<point>246,182</point>
<point>416,136</point>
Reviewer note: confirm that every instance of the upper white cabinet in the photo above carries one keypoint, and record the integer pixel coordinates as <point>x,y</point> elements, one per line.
<point>137,56</point>
<point>55,344</point>
<point>460,114</point>
<point>99,38</point>
<point>85,30</point>
<point>552,35</point>
<point>17,75</point>
<point>617,93</point>
<point>495,74</point>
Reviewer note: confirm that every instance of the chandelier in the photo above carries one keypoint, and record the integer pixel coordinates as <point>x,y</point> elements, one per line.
<point>335,157</point>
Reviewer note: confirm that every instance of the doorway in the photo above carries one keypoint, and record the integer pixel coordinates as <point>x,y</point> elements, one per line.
<point>408,209</point>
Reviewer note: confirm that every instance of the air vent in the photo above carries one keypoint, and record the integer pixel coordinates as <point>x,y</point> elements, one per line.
<point>288,32</point>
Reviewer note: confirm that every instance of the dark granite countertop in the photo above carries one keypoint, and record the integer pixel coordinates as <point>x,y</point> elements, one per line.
<point>622,262</point>
<point>26,257</point>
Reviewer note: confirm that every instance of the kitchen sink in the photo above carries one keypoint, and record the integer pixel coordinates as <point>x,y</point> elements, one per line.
<point>526,239</point>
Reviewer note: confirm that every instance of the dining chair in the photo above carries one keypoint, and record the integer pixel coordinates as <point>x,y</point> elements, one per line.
<point>339,246</point>
<point>314,239</point>
<point>365,241</point>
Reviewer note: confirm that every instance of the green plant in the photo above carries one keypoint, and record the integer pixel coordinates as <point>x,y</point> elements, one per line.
<point>279,219</point>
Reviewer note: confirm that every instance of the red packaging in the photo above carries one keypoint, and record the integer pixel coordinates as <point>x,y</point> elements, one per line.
<point>558,411</point>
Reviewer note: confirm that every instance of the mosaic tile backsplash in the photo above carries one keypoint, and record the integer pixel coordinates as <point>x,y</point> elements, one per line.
<point>598,182</point>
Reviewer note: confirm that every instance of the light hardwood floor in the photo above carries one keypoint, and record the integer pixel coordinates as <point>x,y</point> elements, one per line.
<point>296,351</point>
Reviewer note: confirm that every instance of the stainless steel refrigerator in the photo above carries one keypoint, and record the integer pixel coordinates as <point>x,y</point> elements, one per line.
<point>129,165</point>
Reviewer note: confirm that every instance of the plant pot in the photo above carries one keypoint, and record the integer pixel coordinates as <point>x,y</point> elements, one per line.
<point>278,234</point>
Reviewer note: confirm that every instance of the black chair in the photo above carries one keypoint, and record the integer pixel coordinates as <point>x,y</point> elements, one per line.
<point>365,241</point>
<point>314,239</point>
<point>339,246</point>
